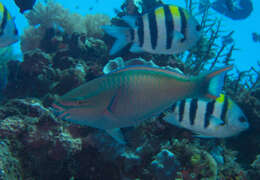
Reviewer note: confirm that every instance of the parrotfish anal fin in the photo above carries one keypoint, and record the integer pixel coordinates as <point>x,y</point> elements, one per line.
<point>116,134</point>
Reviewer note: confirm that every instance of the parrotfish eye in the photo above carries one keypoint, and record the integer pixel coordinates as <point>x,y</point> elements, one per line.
<point>242,119</point>
<point>198,27</point>
<point>80,102</point>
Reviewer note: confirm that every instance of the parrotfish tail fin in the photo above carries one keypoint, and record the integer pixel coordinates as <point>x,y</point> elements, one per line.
<point>123,36</point>
<point>214,82</point>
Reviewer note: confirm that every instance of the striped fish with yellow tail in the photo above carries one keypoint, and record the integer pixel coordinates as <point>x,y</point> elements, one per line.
<point>130,95</point>
<point>219,118</point>
<point>167,29</point>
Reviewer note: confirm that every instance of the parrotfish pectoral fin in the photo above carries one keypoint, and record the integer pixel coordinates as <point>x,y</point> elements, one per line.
<point>122,35</point>
<point>215,80</point>
<point>135,48</point>
<point>116,134</point>
<point>130,20</point>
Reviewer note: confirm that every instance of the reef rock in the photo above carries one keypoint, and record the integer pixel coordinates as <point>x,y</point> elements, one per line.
<point>165,165</point>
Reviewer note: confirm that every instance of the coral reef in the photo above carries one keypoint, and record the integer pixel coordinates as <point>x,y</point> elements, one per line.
<point>256,164</point>
<point>53,15</point>
<point>165,165</point>
<point>59,55</point>
<point>10,166</point>
<point>6,54</point>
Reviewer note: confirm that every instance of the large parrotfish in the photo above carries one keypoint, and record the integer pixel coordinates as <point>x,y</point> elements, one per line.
<point>130,95</point>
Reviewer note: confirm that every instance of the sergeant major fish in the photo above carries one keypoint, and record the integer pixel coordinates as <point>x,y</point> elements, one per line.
<point>165,30</point>
<point>219,118</point>
<point>130,95</point>
<point>8,30</point>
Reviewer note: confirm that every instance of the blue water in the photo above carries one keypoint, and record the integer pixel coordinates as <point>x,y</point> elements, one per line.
<point>246,57</point>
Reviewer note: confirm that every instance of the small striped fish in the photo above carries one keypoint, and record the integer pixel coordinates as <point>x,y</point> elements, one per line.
<point>219,118</point>
<point>165,30</point>
<point>8,30</point>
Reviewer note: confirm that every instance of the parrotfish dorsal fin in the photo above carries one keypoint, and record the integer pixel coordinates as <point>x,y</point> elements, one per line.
<point>113,65</point>
<point>118,63</point>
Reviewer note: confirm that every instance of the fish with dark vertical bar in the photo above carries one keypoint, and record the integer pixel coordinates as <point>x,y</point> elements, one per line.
<point>218,118</point>
<point>25,4</point>
<point>8,30</point>
<point>167,29</point>
<point>130,95</point>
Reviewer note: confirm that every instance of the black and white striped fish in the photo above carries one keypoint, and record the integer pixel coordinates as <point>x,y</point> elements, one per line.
<point>220,118</point>
<point>8,30</point>
<point>165,30</point>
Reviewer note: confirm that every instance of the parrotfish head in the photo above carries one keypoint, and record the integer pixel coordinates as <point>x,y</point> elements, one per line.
<point>81,112</point>
<point>237,120</point>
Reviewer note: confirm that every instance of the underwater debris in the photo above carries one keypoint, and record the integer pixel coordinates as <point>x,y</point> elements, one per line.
<point>234,9</point>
